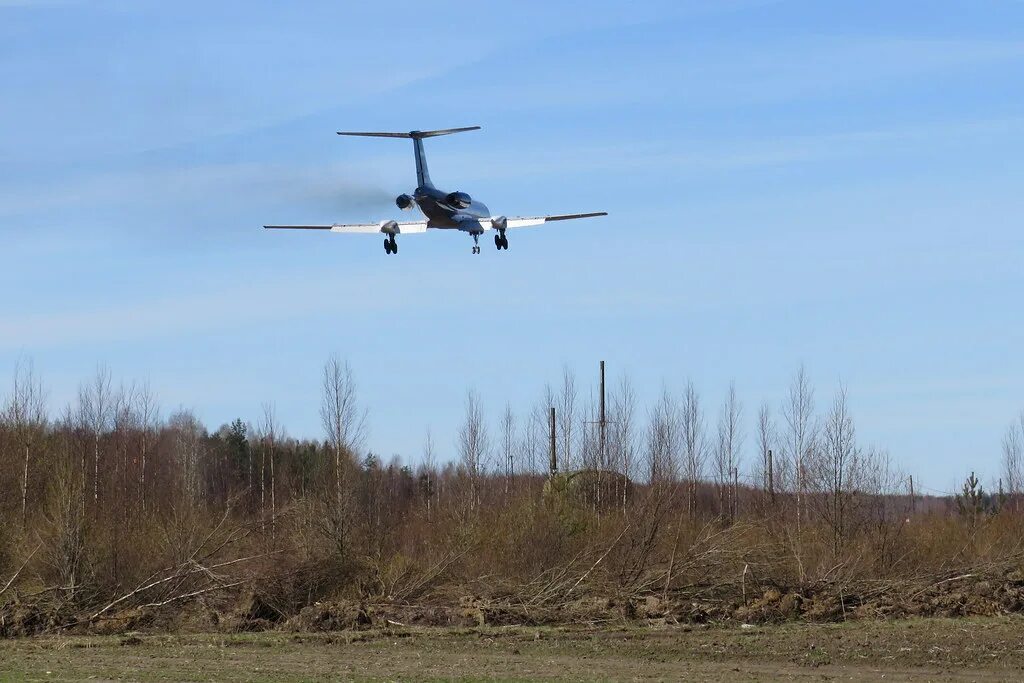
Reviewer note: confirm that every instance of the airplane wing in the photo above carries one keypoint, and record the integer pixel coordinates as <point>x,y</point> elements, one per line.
<point>540,220</point>
<point>383,227</point>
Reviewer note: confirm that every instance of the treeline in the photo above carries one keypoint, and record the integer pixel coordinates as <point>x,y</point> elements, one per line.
<point>110,504</point>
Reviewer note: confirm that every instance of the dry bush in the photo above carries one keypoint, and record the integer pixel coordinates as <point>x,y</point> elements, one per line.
<point>130,518</point>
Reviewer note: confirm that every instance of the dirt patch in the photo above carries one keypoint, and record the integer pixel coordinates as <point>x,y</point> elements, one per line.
<point>905,650</point>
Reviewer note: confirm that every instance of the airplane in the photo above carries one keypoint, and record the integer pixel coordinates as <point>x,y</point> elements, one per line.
<point>443,210</point>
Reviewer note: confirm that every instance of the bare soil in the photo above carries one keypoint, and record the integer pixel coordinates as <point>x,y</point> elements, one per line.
<point>935,649</point>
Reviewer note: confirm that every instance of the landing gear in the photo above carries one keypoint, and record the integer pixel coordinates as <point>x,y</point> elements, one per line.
<point>476,243</point>
<point>501,242</point>
<point>390,245</point>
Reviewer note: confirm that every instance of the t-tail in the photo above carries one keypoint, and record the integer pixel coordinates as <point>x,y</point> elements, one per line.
<point>417,136</point>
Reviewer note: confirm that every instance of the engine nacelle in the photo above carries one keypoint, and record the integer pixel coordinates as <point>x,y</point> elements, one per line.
<point>460,200</point>
<point>405,202</point>
<point>499,223</point>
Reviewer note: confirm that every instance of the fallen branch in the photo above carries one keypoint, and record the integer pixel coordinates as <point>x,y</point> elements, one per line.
<point>599,560</point>
<point>939,583</point>
<point>177,575</point>
<point>20,569</point>
<point>192,594</point>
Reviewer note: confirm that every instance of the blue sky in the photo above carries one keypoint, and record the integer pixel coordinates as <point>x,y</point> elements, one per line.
<point>833,184</point>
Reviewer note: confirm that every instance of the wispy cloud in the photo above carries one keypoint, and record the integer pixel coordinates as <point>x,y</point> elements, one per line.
<point>697,155</point>
<point>328,185</point>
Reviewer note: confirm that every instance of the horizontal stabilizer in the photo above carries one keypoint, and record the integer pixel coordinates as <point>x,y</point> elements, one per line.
<point>415,134</point>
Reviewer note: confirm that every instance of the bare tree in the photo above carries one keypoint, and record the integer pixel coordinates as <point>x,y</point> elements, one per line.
<point>188,433</point>
<point>345,425</point>
<point>96,403</point>
<point>270,431</point>
<point>798,411</point>
<point>1013,459</point>
<point>125,421</point>
<point>64,530</point>
<point>622,431</point>
<point>694,444</point>
<point>766,437</point>
<point>508,444</point>
<point>148,414</point>
<point>727,452</point>
<point>26,415</point>
<point>535,433</point>
<point>839,468</point>
<point>664,440</point>
<point>533,438</point>
<point>429,466</point>
<point>473,445</point>
<point>567,417</point>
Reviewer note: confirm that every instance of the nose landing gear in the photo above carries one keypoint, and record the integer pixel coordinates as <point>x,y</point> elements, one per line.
<point>476,243</point>
<point>390,245</point>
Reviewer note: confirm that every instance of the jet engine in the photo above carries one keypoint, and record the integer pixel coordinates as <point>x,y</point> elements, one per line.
<point>499,223</point>
<point>460,200</point>
<point>405,202</point>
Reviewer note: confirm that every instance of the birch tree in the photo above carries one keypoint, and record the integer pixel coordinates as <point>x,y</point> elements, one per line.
<point>270,431</point>
<point>473,446</point>
<point>798,411</point>
<point>622,432</point>
<point>726,452</point>
<point>344,422</point>
<point>508,445</point>
<point>694,443</point>
<point>95,401</point>
<point>766,444</point>
<point>26,415</point>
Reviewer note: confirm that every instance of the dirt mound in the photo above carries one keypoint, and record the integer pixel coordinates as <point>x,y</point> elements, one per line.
<point>253,613</point>
<point>330,616</point>
<point>988,592</point>
<point>18,620</point>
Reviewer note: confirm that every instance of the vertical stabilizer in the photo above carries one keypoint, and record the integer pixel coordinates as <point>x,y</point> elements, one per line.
<point>422,172</point>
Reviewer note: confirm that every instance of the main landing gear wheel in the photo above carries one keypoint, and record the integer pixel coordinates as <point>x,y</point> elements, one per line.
<point>390,246</point>
<point>501,242</point>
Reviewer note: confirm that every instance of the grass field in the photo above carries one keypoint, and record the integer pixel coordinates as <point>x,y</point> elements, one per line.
<point>989,649</point>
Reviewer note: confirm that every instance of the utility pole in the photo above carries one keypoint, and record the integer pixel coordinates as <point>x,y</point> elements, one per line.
<point>553,453</point>
<point>603,424</point>
<point>913,503</point>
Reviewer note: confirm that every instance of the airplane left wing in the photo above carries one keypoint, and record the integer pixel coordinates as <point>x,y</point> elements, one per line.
<point>502,223</point>
<point>540,220</point>
<point>384,227</point>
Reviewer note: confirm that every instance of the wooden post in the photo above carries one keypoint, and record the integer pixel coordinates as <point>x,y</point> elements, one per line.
<point>602,425</point>
<point>735,492</point>
<point>771,482</point>
<point>913,503</point>
<point>554,444</point>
